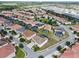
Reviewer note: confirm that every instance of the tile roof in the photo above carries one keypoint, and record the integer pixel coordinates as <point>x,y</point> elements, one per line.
<point>71,52</point>
<point>15,27</point>
<point>2,20</point>
<point>39,40</point>
<point>47,27</point>
<point>62,20</point>
<point>6,50</point>
<point>28,33</point>
<point>33,23</point>
<point>76,27</point>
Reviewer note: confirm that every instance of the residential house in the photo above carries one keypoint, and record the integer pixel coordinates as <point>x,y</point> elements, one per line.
<point>2,20</point>
<point>40,25</point>
<point>15,27</point>
<point>30,22</point>
<point>7,51</point>
<point>71,52</point>
<point>61,20</point>
<point>29,34</point>
<point>40,41</point>
<point>76,27</point>
<point>47,27</point>
<point>59,32</point>
<point>7,13</point>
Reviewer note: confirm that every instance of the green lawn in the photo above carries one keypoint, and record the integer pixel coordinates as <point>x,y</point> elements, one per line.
<point>20,53</point>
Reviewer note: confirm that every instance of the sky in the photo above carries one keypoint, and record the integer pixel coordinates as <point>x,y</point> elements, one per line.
<point>39,0</point>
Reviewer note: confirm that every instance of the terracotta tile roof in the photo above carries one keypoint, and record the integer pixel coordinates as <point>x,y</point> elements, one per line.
<point>2,20</point>
<point>62,20</point>
<point>47,27</point>
<point>76,27</point>
<point>15,27</point>
<point>6,50</point>
<point>30,22</point>
<point>28,33</point>
<point>71,52</point>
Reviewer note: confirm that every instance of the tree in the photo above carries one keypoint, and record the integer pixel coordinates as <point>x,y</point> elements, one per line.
<point>28,41</point>
<point>11,37</point>
<point>35,48</point>
<point>70,28</point>
<point>55,56</point>
<point>21,45</point>
<point>41,56</point>
<point>13,32</point>
<point>22,40</point>
<point>78,34</point>
<point>68,43</point>
<point>75,32</point>
<point>3,32</point>
<point>59,48</point>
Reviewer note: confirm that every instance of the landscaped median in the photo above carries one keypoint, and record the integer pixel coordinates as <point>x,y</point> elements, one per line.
<point>20,53</point>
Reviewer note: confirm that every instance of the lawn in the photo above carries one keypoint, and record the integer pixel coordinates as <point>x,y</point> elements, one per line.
<point>48,44</point>
<point>20,53</point>
<point>48,34</point>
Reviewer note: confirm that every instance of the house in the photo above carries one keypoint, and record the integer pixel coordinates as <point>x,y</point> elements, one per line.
<point>30,22</point>
<point>2,20</point>
<point>7,13</point>
<point>76,27</point>
<point>15,27</point>
<point>40,41</point>
<point>40,25</point>
<point>47,27</point>
<point>7,51</point>
<point>3,41</point>
<point>59,32</point>
<point>71,52</point>
<point>34,28</point>
<point>29,34</point>
<point>61,20</point>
